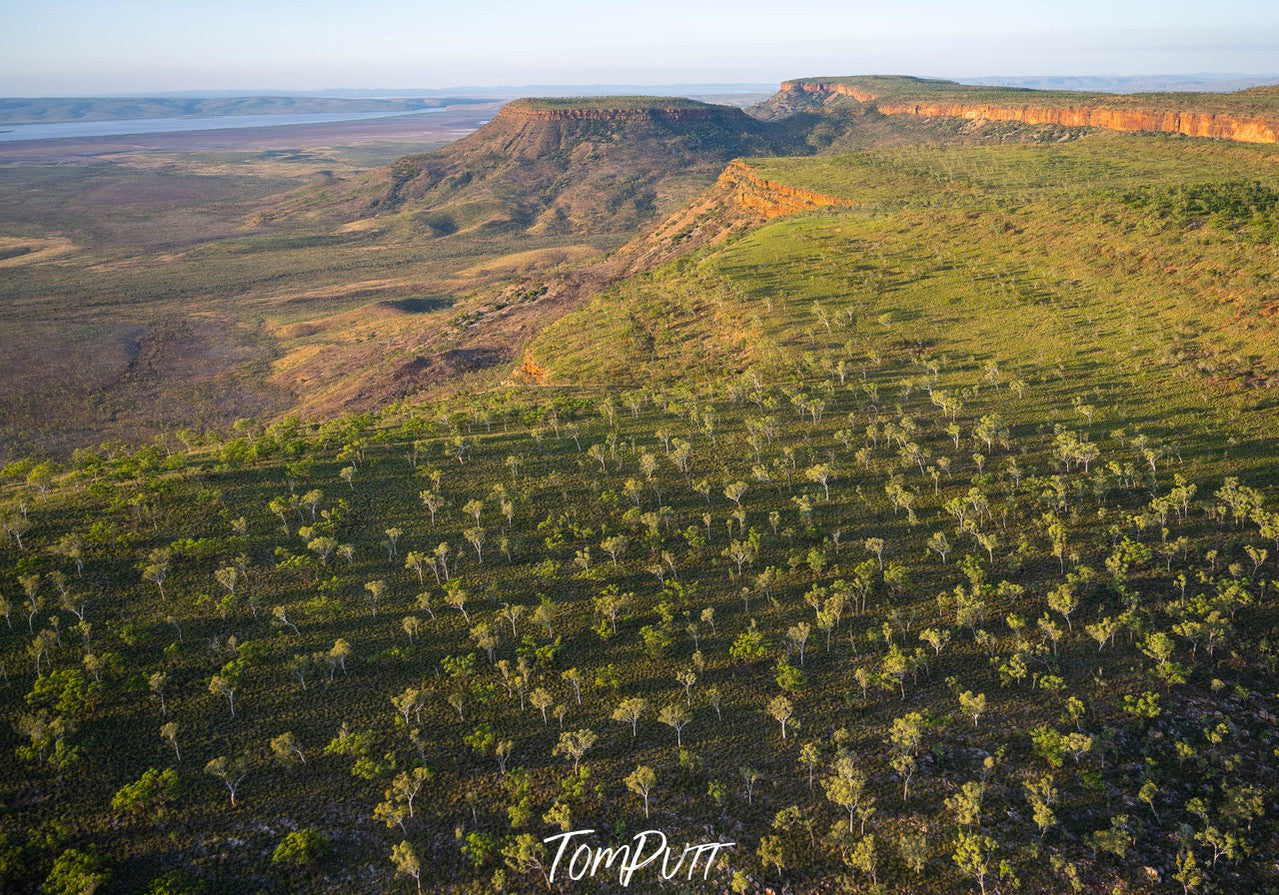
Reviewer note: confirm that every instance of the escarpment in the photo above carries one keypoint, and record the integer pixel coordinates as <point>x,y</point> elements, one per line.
<point>582,169</point>
<point>1153,113</point>
<point>769,198</point>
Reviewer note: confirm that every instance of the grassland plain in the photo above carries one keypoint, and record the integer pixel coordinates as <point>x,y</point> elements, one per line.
<point>826,496</point>
<point>145,293</point>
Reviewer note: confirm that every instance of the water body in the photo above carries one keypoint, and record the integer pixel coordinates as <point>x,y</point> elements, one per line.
<point>72,129</point>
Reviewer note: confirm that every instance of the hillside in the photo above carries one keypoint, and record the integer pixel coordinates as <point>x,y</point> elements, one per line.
<point>593,167</point>
<point>1250,116</point>
<point>773,526</point>
<point>1136,229</point>
<point>216,296</point>
<point>205,287</point>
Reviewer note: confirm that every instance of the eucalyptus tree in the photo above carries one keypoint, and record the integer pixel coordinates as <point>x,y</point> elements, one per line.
<point>225,684</point>
<point>374,591</point>
<point>630,710</point>
<point>410,702</point>
<point>735,491</point>
<point>511,612</point>
<point>70,546</point>
<point>1064,600</point>
<point>541,699</point>
<point>935,638</point>
<point>300,666</point>
<point>973,705</point>
<point>573,678</point>
<point>574,744</point>
<point>400,795</point>
<point>323,546</point>
<point>677,718</point>
<point>783,711</point>
<point>285,747</point>
<point>35,599</point>
<point>845,786</point>
<point>157,683</point>
<point>797,638</point>
<point>433,501</point>
<point>456,595</point>
<point>416,561</point>
<point>615,546</point>
<point>609,604</point>
<point>810,756</point>
<point>546,614</point>
<point>231,771</point>
<point>820,473</point>
<point>337,656</point>
<point>156,569</point>
<point>686,678</point>
<point>641,782</point>
<point>750,776</point>
<point>406,863</point>
<point>475,537</point>
<point>411,626</point>
<point>502,752</point>
<point>905,739</point>
<point>169,733</point>
<point>713,699</point>
<point>281,506</point>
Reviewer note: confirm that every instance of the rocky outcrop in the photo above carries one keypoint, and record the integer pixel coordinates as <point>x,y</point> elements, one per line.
<point>1218,125</point>
<point>835,87</point>
<point>769,198</point>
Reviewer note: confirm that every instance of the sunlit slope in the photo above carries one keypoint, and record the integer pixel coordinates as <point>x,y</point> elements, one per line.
<point>1141,257</point>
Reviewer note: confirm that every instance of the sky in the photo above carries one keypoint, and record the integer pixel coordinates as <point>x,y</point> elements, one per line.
<point>78,47</point>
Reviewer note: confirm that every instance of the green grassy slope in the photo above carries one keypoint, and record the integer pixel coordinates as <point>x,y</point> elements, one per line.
<point>975,477</point>
<point>956,244</point>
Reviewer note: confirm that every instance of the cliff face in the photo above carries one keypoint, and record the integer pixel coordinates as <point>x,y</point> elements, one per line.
<point>1223,125</point>
<point>770,199</point>
<point>857,93</point>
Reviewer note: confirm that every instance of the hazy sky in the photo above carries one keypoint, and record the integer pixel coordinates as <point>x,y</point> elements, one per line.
<point>100,46</point>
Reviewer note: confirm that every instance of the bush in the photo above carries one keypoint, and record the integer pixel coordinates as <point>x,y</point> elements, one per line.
<point>302,847</point>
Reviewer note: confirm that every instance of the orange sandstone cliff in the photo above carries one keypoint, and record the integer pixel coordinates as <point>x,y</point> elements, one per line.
<point>769,198</point>
<point>1219,125</point>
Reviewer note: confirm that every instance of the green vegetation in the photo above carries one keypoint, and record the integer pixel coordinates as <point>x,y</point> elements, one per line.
<point>1066,254</point>
<point>924,543</point>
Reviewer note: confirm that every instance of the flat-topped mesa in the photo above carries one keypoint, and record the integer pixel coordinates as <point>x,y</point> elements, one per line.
<point>1247,116</point>
<point>617,108</point>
